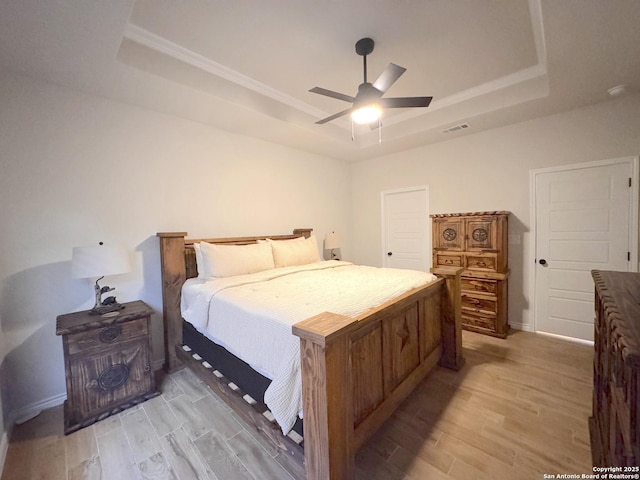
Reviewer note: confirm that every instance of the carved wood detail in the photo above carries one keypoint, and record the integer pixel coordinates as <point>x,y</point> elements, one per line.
<point>615,424</point>
<point>107,363</point>
<point>478,242</point>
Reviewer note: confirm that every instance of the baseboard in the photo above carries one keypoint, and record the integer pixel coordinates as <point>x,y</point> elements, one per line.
<point>31,411</point>
<point>158,364</point>
<point>4,447</point>
<point>529,328</point>
<point>521,326</point>
<point>567,339</point>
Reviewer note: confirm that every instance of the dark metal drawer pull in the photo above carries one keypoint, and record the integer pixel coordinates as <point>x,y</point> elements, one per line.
<point>114,376</point>
<point>110,333</point>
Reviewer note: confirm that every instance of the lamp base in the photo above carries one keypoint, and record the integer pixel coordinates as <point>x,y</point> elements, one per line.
<point>108,305</point>
<point>102,309</point>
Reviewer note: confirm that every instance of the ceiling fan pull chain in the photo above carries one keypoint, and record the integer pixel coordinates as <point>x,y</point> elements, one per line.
<point>380,129</point>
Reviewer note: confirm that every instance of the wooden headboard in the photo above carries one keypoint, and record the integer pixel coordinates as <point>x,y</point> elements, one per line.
<point>190,254</point>
<point>178,262</point>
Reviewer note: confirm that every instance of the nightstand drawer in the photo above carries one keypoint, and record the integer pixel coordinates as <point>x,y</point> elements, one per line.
<point>83,341</point>
<point>477,285</point>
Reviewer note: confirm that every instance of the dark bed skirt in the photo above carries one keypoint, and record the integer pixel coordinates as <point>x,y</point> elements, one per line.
<point>236,370</point>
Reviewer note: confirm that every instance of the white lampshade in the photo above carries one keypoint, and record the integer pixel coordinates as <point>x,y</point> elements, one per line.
<point>99,261</point>
<point>331,241</point>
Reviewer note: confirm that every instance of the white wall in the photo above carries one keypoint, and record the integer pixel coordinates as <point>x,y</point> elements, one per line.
<point>4,434</point>
<point>78,169</point>
<point>490,171</point>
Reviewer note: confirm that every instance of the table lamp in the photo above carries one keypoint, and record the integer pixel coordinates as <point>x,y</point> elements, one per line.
<point>100,261</point>
<point>332,242</point>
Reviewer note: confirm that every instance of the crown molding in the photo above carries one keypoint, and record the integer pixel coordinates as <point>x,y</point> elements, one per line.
<point>162,45</point>
<point>517,82</point>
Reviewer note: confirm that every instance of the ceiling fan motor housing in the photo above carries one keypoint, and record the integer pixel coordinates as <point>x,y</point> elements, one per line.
<point>366,93</point>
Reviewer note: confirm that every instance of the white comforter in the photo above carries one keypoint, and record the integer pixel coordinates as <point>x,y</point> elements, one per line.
<point>252,315</point>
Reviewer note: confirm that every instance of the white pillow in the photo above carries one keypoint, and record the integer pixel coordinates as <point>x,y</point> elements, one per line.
<point>199,261</point>
<point>288,253</point>
<point>231,260</point>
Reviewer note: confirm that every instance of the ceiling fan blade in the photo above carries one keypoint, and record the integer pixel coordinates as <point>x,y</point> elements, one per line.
<point>405,102</point>
<point>388,77</point>
<point>334,116</point>
<point>332,94</point>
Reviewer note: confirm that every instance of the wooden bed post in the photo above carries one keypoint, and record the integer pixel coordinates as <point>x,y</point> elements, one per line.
<point>451,318</point>
<point>173,276</point>
<point>326,395</point>
<point>305,232</point>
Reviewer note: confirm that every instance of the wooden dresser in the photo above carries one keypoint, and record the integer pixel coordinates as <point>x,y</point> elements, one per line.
<point>615,424</point>
<point>107,361</point>
<point>478,243</point>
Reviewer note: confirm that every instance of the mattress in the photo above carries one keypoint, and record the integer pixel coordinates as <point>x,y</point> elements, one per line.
<point>252,315</point>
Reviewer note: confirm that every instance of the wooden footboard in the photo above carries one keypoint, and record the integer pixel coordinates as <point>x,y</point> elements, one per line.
<point>355,371</point>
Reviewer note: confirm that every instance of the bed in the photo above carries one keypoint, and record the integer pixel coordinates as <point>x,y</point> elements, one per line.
<point>382,352</point>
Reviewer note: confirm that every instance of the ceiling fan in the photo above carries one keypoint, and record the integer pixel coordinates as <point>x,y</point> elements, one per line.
<point>368,103</point>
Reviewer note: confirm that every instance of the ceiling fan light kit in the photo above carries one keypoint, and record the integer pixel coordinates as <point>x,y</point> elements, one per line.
<point>366,115</point>
<point>368,103</point>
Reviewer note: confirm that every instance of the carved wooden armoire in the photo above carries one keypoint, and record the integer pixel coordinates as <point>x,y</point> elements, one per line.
<point>478,243</point>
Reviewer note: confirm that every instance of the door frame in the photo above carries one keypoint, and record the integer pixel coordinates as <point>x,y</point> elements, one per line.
<point>383,224</point>
<point>633,228</point>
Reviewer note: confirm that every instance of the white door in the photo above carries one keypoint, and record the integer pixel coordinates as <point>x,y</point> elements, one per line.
<point>406,229</point>
<point>583,222</point>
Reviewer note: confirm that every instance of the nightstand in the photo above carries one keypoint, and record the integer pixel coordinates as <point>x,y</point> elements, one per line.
<point>107,362</point>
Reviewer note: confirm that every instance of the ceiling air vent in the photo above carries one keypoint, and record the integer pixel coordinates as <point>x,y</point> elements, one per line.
<point>456,128</point>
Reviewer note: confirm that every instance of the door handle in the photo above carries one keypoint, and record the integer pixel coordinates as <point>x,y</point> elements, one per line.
<point>542,262</point>
<point>389,253</point>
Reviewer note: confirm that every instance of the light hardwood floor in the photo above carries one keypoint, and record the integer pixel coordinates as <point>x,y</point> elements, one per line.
<point>517,410</point>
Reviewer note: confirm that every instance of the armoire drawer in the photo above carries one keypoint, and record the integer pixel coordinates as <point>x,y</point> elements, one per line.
<point>482,262</point>
<point>479,304</point>
<point>476,285</point>
<point>480,321</point>
<point>444,260</point>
